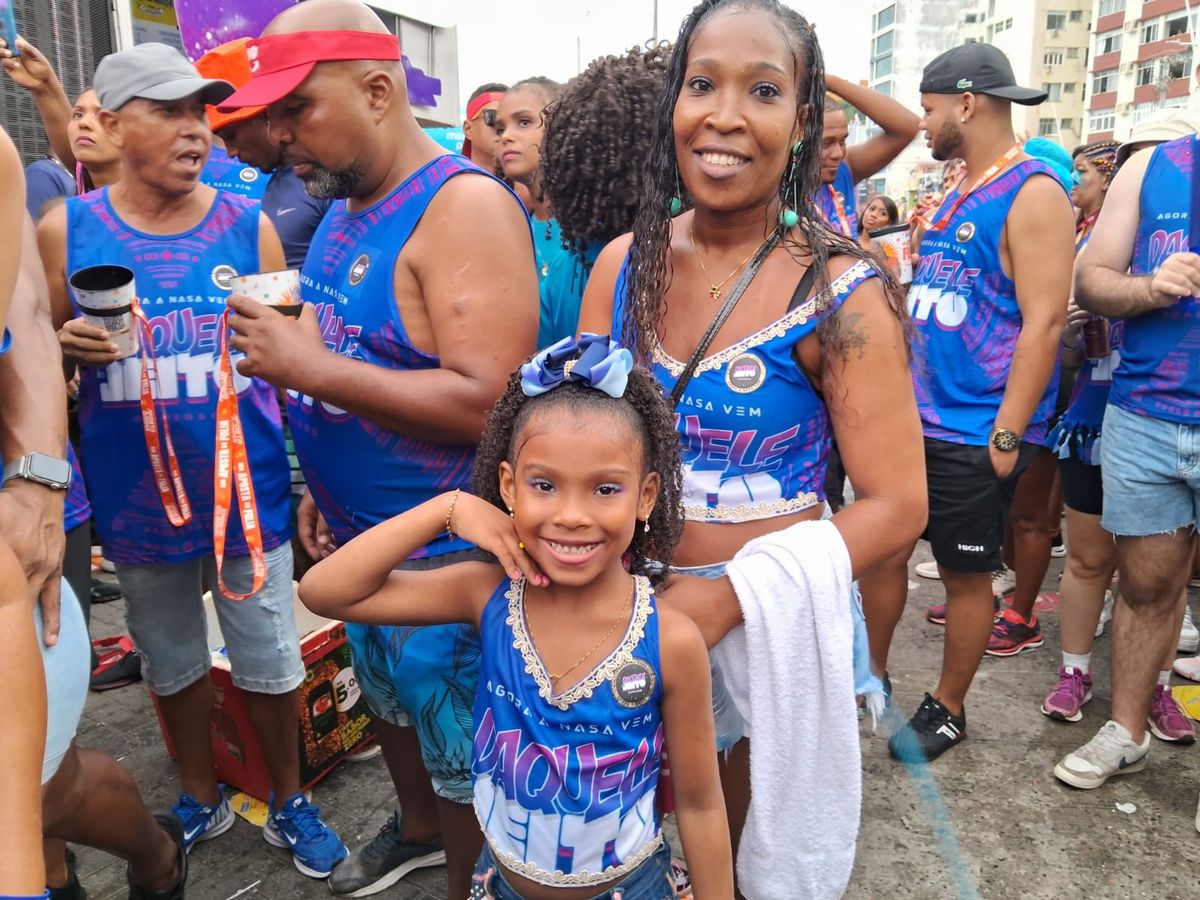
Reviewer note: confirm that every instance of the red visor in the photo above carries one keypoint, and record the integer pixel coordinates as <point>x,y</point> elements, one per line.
<point>477,105</point>
<point>280,62</point>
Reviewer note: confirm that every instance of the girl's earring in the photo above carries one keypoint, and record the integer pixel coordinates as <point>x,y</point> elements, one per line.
<point>646,526</point>
<point>511,514</point>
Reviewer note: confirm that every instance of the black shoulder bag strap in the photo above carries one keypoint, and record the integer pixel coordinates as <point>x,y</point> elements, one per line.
<point>722,315</point>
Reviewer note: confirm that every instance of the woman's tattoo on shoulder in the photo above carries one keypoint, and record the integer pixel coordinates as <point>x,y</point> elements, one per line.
<point>853,334</point>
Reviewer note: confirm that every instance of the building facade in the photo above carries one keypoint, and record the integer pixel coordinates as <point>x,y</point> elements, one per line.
<point>1141,60</point>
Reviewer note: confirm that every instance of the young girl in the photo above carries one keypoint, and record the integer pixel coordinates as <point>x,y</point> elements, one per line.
<point>583,675</point>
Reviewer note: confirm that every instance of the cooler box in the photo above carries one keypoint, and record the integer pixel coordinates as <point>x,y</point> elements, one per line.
<point>334,719</point>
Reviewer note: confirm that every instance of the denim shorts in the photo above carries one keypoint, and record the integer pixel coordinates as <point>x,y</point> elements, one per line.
<point>1151,471</point>
<point>165,611</point>
<point>425,677</point>
<point>67,666</point>
<point>652,880</point>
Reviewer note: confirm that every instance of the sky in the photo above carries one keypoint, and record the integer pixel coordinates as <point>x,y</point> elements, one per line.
<point>516,39</point>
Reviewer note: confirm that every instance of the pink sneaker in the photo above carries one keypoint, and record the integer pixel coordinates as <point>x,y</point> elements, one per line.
<point>1066,700</point>
<point>1167,721</point>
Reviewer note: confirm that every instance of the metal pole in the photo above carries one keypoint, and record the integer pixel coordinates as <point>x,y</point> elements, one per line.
<point>655,31</point>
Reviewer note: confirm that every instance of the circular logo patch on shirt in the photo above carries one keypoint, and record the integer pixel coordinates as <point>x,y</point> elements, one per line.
<point>223,276</point>
<point>745,374</point>
<point>633,684</point>
<point>248,175</point>
<point>965,232</point>
<point>358,271</point>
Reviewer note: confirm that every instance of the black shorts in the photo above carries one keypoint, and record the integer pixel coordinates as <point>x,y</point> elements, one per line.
<point>968,504</point>
<point>1082,486</point>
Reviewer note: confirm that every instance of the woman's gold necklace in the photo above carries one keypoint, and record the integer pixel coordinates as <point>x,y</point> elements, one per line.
<point>715,286</point>
<point>596,646</point>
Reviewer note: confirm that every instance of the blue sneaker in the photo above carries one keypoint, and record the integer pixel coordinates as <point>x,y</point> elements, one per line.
<point>297,826</point>
<point>202,821</point>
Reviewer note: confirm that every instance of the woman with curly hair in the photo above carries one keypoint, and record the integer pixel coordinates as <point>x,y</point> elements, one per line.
<point>816,346</point>
<point>594,150</point>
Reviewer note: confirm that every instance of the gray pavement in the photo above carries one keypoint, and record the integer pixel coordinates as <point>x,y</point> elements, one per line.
<point>987,820</point>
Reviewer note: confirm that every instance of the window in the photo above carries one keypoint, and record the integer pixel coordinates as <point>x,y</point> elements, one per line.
<point>1141,110</point>
<point>1000,26</point>
<point>882,66</point>
<point>1103,82</point>
<point>1150,33</point>
<point>1067,125</point>
<point>1108,7</point>
<point>1077,15</point>
<point>971,18</point>
<point>884,43</point>
<point>1007,24</point>
<point>1072,53</point>
<point>1069,87</point>
<point>1053,56</point>
<point>1177,26</point>
<point>1178,66</point>
<point>1056,20</point>
<point>1145,73</point>
<point>885,17</point>
<point>1102,120</point>
<point>884,87</point>
<point>1046,127</point>
<point>1108,41</point>
<point>1053,91</point>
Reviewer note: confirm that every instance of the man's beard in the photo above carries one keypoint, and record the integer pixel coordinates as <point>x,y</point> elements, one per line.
<point>332,184</point>
<point>947,143</point>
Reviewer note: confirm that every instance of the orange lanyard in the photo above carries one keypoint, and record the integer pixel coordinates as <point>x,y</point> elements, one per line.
<point>170,491</point>
<point>231,471</point>
<point>839,210</point>
<point>993,170</point>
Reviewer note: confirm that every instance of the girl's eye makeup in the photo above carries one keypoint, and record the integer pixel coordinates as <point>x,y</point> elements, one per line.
<point>541,485</point>
<point>766,91</point>
<point>608,490</point>
<point>699,83</point>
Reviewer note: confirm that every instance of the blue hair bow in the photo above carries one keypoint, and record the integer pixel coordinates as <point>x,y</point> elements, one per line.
<point>592,360</point>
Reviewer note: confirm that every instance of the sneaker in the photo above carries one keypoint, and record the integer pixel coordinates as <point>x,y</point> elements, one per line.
<point>202,821</point>
<point>1011,634</point>
<point>928,570</point>
<point>1004,580</point>
<point>1066,700</point>
<point>1189,636</point>
<point>381,862</point>
<point>1110,752</point>
<point>297,826</point>
<point>1058,547</point>
<point>1167,721</point>
<point>937,613</point>
<point>931,731</point>
<point>1106,612</point>
<point>173,827</point>
<point>72,890</point>
<point>1188,668</point>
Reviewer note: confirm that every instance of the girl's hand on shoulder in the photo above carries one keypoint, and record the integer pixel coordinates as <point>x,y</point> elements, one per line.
<point>478,521</point>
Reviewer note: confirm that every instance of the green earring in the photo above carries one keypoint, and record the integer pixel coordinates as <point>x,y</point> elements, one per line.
<point>675,204</point>
<point>788,217</point>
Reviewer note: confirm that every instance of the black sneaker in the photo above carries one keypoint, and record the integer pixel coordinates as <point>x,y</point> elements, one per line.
<point>72,890</point>
<point>383,861</point>
<point>931,731</point>
<point>174,828</point>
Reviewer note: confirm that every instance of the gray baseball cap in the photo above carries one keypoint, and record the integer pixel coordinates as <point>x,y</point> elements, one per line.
<point>153,72</point>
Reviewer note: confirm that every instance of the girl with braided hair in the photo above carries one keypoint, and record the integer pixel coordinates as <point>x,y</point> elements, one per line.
<point>816,346</point>
<point>594,149</point>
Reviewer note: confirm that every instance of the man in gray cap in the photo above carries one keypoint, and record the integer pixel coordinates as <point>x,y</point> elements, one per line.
<point>184,242</point>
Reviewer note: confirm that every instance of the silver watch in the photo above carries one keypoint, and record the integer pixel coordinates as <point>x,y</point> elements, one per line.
<point>51,471</point>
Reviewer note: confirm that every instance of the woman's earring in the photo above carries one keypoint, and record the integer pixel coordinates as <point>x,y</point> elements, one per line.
<point>675,204</point>
<point>511,514</point>
<point>788,217</point>
<point>646,526</point>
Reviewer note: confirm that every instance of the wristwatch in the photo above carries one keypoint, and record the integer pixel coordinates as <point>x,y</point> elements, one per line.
<point>1005,441</point>
<point>42,468</point>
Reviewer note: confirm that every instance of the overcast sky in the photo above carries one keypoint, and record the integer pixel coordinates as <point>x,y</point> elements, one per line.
<point>508,41</point>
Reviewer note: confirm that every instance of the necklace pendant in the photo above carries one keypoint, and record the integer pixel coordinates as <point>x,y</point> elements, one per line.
<point>715,292</point>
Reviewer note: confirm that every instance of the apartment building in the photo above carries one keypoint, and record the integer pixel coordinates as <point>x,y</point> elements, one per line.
<point>1141,60</point>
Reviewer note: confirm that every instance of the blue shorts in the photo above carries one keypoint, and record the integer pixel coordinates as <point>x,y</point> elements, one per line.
<point>652,880</point>
<point>165,611</point>
<point>1151,471</point>
<point>67,666</point>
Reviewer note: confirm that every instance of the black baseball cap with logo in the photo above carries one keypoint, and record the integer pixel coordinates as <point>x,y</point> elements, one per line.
<point>980,69</point>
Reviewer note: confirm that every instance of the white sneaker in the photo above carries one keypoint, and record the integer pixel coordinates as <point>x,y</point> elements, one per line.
<point>1188,668</point>
<point>1189,636</point>
<point>1105,613</point>
<point>1110,752</point>
<point>928,570</point>
<point>1004,580</point>
<point>1059,550</point>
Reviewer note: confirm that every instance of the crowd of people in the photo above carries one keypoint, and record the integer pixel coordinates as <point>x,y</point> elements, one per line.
<point>591,433</point>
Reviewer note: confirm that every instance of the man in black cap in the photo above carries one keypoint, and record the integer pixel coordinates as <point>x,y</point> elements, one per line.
<point>989,301</point>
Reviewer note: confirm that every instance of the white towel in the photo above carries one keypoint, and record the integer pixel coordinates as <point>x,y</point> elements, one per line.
<point>791,674</point>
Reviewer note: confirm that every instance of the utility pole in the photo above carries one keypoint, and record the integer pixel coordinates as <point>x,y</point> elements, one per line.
<point>655,29</point>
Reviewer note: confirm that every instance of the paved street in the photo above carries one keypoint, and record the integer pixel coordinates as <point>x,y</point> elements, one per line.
<point>987,820</point>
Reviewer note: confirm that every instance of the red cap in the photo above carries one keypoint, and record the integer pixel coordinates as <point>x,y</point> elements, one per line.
<point>279,63</point>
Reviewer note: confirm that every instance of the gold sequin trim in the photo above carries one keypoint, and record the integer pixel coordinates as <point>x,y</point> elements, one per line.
<point>603,672</point>
<point>578,879</point>
<point>777,329</point>
<point>749,513</point>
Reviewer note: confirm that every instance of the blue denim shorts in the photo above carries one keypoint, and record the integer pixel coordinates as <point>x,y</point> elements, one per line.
<point>652,880</point>
<point>165,611</point>
<point>1151,471</point>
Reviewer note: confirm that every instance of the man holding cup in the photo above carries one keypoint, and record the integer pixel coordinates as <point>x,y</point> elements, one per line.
<point>184,243</point>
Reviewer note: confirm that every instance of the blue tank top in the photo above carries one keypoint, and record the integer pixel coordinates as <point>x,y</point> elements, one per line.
<point>182,283</point>
<point>547,245</point>
<point>225,173</point>
<point>76,508</point>
<point>841,192</point>
<point>565,785</point>
<point>360,473</point>
<point>755,433</point>
<point>965,311</point>
<point>1159,374</point>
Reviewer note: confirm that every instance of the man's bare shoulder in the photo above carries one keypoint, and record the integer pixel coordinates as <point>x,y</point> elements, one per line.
<point>476,201</point>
